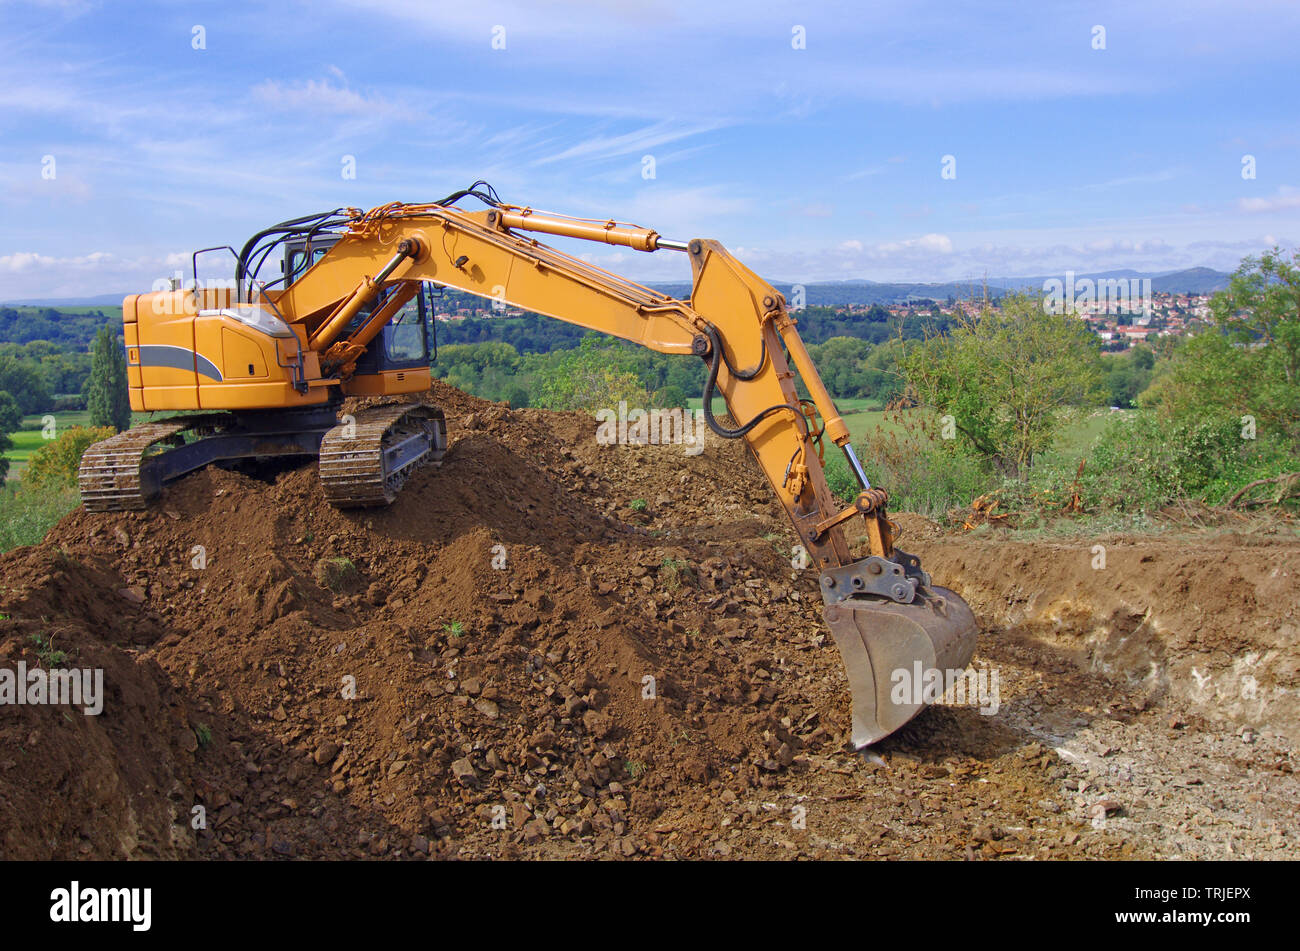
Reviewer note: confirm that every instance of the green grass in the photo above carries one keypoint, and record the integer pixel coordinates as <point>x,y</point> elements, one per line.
<point>1077,435</point>
<point>26,442</point>
<point>73,417</point>
<point>25,517</point>
<point>935,484</point>
<point>45,651</point>
<point>863,422</point>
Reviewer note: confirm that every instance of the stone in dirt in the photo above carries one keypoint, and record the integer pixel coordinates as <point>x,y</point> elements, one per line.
<point>464,772</point>
<point>325,752</point>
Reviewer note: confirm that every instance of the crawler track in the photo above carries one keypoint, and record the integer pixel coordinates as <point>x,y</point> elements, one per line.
<point>113,477</point>
<point>357,467</point>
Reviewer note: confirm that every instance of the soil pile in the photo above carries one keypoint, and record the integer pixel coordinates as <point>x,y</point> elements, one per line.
<point>544,648</point>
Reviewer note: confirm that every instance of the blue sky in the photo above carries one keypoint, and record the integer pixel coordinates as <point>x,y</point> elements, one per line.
<point>819,163</point>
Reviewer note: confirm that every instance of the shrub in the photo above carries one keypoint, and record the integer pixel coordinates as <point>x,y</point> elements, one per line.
<point>55,465</point>
<point>923,474</point>
<point>1142,462</point>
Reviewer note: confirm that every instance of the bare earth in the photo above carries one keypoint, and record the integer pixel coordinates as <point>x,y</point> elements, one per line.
<point>334,685</point>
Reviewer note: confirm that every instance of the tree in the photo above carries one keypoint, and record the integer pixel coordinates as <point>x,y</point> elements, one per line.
<point>1249,364</point>
<point>1006,375</point>
<point>22,379</point>
<point>594,376</point>
<point>11,417</point>
<point>1128,373</point>
<point>670,397</point>
<point>106,395</point>
<point>840,362</point>
<point>1262,303</point>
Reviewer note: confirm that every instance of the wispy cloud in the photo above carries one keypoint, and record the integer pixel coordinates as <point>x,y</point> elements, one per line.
<point>319,97</point>
<point>634,142</point>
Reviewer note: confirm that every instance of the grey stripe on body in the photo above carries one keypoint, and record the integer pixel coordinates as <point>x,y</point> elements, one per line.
<point>177,358</point>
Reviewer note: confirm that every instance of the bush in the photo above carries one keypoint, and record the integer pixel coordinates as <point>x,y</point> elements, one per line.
<point>922,474</point>
<point>1007,378</point>
<point>55,465</point>
<point>595,376</point>
<point>1142,462</point>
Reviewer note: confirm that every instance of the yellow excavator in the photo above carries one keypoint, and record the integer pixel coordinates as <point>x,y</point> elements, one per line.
<point>259,369</point>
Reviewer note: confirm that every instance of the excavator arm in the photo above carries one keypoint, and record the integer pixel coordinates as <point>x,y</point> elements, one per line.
<point>734,320</point>
<point>890,623</point>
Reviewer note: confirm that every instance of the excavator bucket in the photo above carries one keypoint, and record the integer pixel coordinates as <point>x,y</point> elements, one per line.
<point>886,645</point>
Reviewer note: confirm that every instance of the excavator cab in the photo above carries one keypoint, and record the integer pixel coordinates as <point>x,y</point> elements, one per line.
<point>402,346</point>
<point>397,360</point>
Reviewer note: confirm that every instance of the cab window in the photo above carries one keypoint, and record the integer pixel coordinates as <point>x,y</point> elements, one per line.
<point>298,262</point>
<point>404,337</point>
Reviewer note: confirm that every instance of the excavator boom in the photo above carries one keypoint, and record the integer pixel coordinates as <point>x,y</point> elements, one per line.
<point>356,273</point>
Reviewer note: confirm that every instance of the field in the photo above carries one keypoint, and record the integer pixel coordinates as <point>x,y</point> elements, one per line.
<point>864,417</point>
<point>28,310</point>
<point>28,439</point>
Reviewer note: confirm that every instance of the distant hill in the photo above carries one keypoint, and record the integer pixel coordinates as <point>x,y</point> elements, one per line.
<point>1193,280</point>
<point>99,300</point>
<point>1196,280</point>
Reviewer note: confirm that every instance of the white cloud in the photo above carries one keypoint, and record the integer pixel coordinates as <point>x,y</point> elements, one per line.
<point>1286,198</point>
<point>932,243</point>
<point>30,275</point>
<point>868,172</point>
<point>29,260</point>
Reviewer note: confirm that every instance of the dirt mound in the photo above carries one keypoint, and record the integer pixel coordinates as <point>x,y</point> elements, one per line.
<point>545,647</point>
<point>111,784</point>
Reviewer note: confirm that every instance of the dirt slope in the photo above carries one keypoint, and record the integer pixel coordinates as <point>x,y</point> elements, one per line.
<point>468,673</point>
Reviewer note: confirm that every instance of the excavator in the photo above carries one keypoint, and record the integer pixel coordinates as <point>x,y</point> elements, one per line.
<point>257,369</point>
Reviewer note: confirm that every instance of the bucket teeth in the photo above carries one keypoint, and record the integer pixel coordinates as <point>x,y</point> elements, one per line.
<point>883,643</point>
